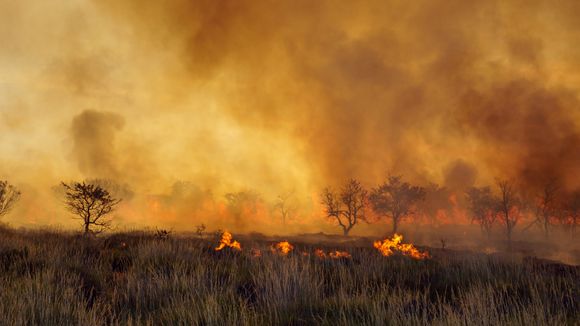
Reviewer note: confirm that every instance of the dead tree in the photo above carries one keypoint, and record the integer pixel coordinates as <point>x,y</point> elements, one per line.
<point>481,206</point>
<point>9,195</point>
<point>396,200</point>
<point>346,207</point>
<point>284,206</point>
<point>545,206</point>
<point>91,203</point>
<point>507,208</point>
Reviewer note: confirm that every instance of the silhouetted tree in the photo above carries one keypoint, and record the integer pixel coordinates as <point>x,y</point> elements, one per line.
<point>396,199</point>
<point>506,205</point>
<point>91,203</point>
<point>285,206</point>
<point>481,206</point>
<point>545,206</point>
<point>9,195</point>
<point>348,206</point>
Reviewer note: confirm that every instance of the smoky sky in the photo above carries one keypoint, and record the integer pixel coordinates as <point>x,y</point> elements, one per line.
<point>291,95</point>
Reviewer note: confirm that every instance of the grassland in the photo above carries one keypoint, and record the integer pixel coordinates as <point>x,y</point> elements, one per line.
<point>55,278</point>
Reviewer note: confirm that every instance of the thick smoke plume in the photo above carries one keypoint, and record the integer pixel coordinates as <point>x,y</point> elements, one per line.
<point>288,96</point>
<point>94,143</point>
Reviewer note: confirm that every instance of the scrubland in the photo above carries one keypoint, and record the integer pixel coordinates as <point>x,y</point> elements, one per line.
<point>136,278</point>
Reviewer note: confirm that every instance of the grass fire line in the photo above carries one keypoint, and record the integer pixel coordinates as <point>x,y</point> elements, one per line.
<point>387,247</point>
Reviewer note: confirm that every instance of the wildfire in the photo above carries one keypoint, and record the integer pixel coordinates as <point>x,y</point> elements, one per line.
<point>387,247</point>
<point>333,254</point>
<point>320,253</point>
<point>256,252</point>
<point>339,254</point>
<point>226,241</point>
<point>283,248</point>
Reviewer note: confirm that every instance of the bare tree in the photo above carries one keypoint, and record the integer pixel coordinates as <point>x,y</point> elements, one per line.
<point>346,207</point>
<point>285,206</point>
<point>507,208</point>
<point>91,203</point>
<point>481,205</point>
<point>396,199</point>
<point>9,195</point>
<point>545,206</point>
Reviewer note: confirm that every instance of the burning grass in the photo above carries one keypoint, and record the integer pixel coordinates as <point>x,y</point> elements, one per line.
<point>53,278</point>
<point>388,247</point>
<point>227,242</point>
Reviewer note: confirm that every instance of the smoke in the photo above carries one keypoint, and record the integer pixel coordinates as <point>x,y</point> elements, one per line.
<point>271,95</point>
<point>460,175</point>
<point>94,145</point>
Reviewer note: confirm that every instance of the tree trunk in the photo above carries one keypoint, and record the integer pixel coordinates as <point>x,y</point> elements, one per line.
<point>395,224</point>
<point>345,231</point>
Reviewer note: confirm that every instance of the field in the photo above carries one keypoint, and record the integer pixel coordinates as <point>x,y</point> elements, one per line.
<point>136,278</point>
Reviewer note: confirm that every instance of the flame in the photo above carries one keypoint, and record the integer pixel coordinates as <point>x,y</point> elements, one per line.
<point>283,248</point>
<point>256,252</point>
<point>333,254</point>
<point>339,254</point>
<point>320,253</point>
<point>226,241</point>
<point>387,246</point>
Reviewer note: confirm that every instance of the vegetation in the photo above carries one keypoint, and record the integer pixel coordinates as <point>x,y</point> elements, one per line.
<point>396,200</point>
<point>9,195</point>
<point>91,204</point>
<point>482,207</point>
<point>346,207</point>
<point>53,278</point>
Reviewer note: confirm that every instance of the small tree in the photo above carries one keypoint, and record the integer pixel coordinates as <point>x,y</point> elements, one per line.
<point>481,205</point>
<point>545,206</point>
<point>506,205</point>
<point>285,206</point>
<point>396,199</point>
<point>9,195</point>
<point>346,207</point>
<point>91,203</point>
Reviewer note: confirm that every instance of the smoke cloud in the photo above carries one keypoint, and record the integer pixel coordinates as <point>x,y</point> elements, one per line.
<point>94,143</point>
<point>291,95</point>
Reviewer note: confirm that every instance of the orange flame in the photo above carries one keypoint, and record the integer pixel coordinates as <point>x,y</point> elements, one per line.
<point>387,246</point>
<point>256,252</point>
<point>320,253</point>
<point>333,254</point>
<point>339,254</point>
<point>226,241</point>
<point>283,248</point>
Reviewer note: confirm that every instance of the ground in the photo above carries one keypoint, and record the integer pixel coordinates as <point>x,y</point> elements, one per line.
<point>50,278</point>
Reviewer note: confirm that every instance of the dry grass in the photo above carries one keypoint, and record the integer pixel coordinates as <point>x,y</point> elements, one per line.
<point>61,279</point>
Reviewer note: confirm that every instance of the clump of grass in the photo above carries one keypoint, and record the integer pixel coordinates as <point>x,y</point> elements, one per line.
<point>137,279</point>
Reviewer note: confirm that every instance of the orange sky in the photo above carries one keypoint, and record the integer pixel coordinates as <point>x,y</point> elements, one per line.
<point>287,95</point>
